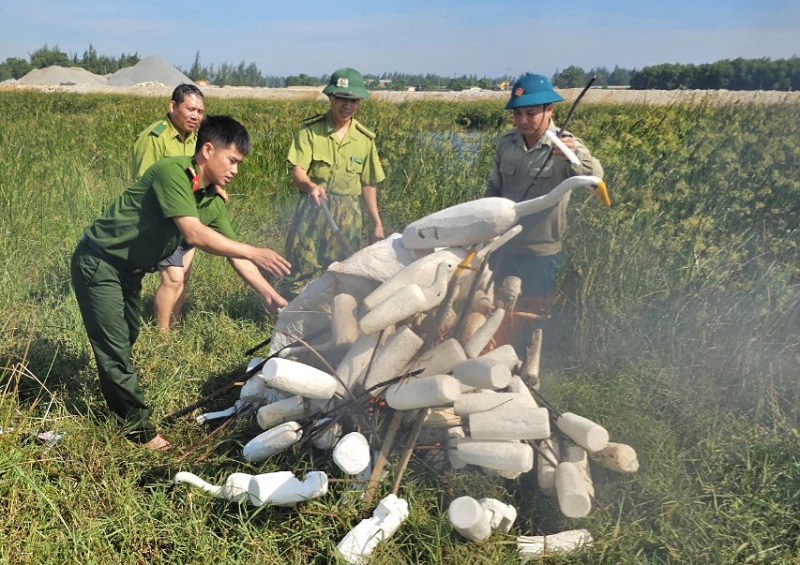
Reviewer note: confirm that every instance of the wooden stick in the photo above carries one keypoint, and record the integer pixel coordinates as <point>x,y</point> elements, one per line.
<point>409,449</point>
<point>383,457</point>
<point>531,315</point>
<point>433,326</point>
<point>533,354</point>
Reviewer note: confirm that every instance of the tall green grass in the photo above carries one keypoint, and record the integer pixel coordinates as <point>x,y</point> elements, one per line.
<point>677,327</point>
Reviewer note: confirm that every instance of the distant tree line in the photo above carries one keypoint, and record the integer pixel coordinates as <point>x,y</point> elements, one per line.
<point>226,74</point>
<point>575,77</point>
<point>731,74</point>
<point>14,67</point>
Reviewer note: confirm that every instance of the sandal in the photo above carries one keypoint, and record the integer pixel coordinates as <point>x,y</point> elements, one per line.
<point>158,443</point>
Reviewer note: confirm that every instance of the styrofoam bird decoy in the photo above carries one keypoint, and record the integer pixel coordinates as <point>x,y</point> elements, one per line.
<point>480,220</point>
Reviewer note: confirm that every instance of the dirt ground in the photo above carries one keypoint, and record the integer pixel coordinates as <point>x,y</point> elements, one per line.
<point>595,95</point>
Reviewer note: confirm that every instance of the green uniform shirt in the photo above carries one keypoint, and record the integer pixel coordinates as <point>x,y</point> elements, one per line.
<point>157,141</point>
<point>340,167</point>
<point>512,177</point>
<point>138,227</point>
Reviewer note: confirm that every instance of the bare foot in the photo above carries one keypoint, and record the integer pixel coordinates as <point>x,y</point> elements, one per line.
<point>158,443</point>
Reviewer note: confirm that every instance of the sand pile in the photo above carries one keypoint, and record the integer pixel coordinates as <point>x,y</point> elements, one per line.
<point>63,75</point>
<point>149,69</point>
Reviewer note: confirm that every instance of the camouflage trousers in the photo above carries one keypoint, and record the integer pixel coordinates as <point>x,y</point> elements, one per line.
<point>311,244</point>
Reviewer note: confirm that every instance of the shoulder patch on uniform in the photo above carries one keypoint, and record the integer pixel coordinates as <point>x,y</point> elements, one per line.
<point>369,133</point>
<point>313,119</point>
<point>194,178</point>
<point>160,128</point>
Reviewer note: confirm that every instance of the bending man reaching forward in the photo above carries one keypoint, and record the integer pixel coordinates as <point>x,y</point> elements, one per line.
<point>175,199</point>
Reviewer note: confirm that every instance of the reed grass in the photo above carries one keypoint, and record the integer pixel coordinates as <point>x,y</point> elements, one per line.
<point>677,327</point>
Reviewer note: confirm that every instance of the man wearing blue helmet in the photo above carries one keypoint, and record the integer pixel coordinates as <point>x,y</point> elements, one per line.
<point>522,170</point>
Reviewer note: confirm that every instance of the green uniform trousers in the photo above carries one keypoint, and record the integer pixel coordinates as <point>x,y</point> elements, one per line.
<point>311,244</point>
<point>110,302</point>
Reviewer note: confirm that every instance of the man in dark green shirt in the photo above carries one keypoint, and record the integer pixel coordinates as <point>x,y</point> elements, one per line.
<point>175,199</point>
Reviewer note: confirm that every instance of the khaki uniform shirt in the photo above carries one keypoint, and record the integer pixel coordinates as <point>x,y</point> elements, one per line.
<point>138,228</point>
<point>512,177</point>
<point>159,140</point>
<point>340,167</point>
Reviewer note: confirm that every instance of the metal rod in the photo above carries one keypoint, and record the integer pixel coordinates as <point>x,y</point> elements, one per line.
<point>560,130</point>
<point>239,380</point>
<point>348,249</point>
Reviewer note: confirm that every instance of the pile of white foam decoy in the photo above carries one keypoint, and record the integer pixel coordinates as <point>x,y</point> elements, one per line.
<point>409,320</point>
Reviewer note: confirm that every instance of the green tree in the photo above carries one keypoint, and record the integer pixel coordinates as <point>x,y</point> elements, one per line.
<point>302,80</point>
<point>46,57</point>
<point>619,77</point>
<point>14,68</point>
<point>457,84</point>
<point>571,77</point>
<point>197,72</point>
<point>224,75</point>
<point>89,60</point>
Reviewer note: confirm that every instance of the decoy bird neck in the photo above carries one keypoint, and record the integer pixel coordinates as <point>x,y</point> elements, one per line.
<point>527,207</point>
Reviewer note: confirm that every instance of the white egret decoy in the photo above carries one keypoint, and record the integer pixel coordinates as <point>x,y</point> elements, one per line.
<point>480,220</point>
<point>423,271</point>
<point>235,488</point>
<point>280,488</point>
<point>409,300</point>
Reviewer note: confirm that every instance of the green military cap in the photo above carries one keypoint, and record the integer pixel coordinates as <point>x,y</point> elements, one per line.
<point>347,83</point>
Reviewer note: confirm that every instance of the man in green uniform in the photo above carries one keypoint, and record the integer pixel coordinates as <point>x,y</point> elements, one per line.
<point>334,161</point>
<point>171,136</point>
<point>175,199</point>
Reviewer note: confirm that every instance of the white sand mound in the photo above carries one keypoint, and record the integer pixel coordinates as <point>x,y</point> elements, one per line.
<point>62,75</point>
<point>149,69</point>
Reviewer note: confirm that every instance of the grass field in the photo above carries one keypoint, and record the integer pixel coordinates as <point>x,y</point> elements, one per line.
<point>677,327</point>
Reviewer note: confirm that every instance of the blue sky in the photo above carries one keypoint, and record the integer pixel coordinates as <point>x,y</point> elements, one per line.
<point>446,37</point>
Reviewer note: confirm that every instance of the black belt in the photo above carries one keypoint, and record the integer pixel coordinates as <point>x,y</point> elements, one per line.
<point>116,262</point>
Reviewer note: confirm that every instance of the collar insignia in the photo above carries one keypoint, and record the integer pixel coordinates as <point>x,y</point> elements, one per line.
<point>195,179</point>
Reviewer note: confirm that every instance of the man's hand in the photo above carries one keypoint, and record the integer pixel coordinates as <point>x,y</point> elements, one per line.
<point>271,262</point>
<point>569,141</point>
<point>303,183</point>
<point>317,194</point>
<point>276,304</point>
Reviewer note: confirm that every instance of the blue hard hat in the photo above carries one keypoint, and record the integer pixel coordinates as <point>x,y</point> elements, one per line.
<point>532,90</point>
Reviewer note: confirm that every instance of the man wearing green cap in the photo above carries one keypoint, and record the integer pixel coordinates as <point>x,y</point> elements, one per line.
<point>522,169</point>
<point>333,161</point>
